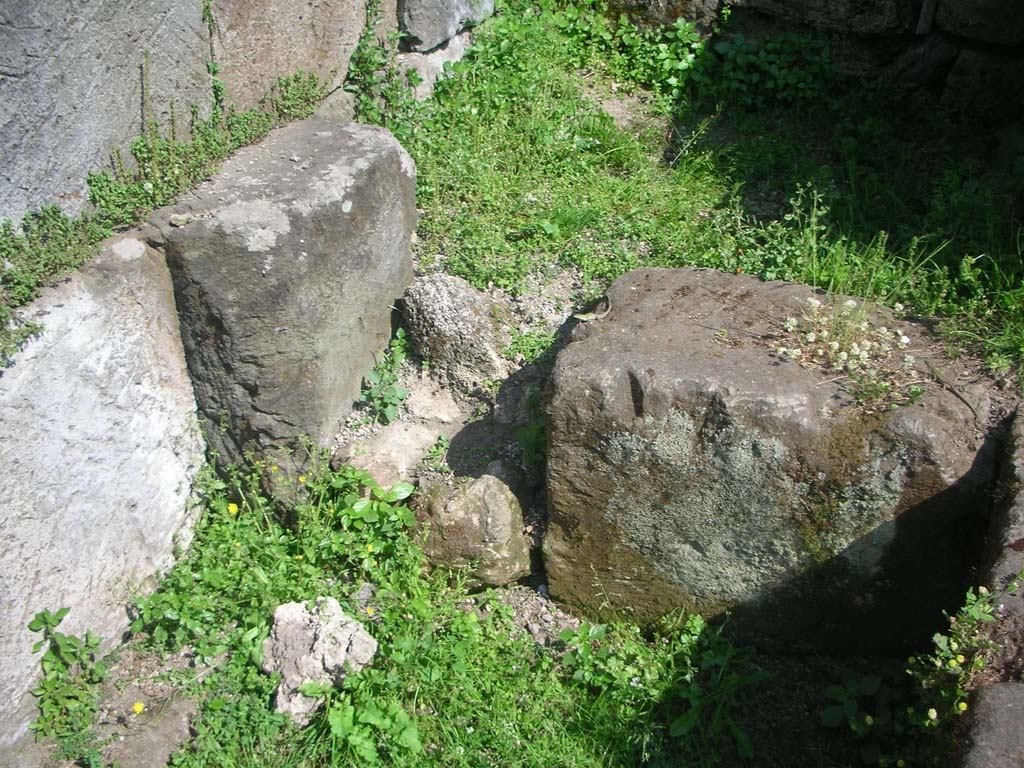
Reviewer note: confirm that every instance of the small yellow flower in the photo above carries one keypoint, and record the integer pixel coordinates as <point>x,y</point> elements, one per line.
<point>302,478</point>
<point>370,610</point>
<point>960,659</point>
<point>962,706</point>
<point>369,547</point>
<point>298,557</point>
<point>232,509</point>
<point>138,707</point>
<point>274,468</point>
<point>238,543</point>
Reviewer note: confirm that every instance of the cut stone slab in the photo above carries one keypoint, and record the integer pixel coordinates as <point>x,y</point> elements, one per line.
<point>99,447</point>
<point>457,330</point>
<point>258,41</point>
<point>689,466</point>
<point>429,23</point>
<point>286,266</point>
<point>318,644</point>
<point>477,525</point>
<point>995,736</point>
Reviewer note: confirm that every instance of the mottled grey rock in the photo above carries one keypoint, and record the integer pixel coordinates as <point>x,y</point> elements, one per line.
<point>1005,556</point>
<point>285,276</point>
<point>71,85</point>
<point>457,329</point>
<point>926,63</point>
<point>479,524</point>
<point>866,17</point>
<point>430,66</point>
<point>258,41</point>
<point>429,23</point>
<point>99,446</point>
<point>990,21</point>
<point>691,468</point>
<point>995,736</point>
<point>320,644</point>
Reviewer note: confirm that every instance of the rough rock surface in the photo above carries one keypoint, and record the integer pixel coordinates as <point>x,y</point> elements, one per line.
<point>430,66</point>
<point>995,736</point>
<point>457,330</point>
<point>429,23</point>
<point>71,84</point>
<point>869,17</point>
<point>99,445</point>
<point>478,524</point>
<point>1005,558</point>
<point>989,83</point>
<point>990,21</point>
<point>258,41</point>
<point>286,266</point>
<point>391,454</point>
<point>689,466</point>
<point>313,645</point>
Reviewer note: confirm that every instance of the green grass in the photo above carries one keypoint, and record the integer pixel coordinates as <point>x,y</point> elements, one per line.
<point>454,682</point>
<point>876,194</point>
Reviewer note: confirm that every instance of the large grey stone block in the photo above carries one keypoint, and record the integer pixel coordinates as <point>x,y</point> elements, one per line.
<point>99,446</point>
<point>286,266</point>
<point>689,466</point>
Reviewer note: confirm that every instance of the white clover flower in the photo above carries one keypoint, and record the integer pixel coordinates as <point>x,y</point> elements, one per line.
<point>855,349</point>
<point>905,341</point>
<point>810,338</point>
<point>824,334</point>
<point>884,331</point>
<point>842,358</point>
<point>849,305</point>
<point>898,307</point>
<point>781,351</point>
<point>863,356</point>
<point>790,324</point>
<point>863,325</point>
<point>819,352</point>
<point>794,354</point>
<point>813,303</point>
<point>833,346</point>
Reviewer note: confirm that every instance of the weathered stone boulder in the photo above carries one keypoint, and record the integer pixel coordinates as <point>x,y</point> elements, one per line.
<point>688,465</point>
<point>479,524</point>
<point>995,738</point>
<point>1004,560</point>
<point>989,83</point>
<point>990,21</point>
<point>99,446</point>
<point>320,644</point>
<point>873,17</point>
<point>457,329</point>
<point>429,23</point>
<point>286,266</point>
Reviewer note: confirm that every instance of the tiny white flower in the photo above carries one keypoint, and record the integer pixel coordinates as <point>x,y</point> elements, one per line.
<point>820,352</point>
<point>905,341</point>
<point>781,351</point>
<point>863,325</point>
<point>790,324</point>
<point>849,305</point>
<point>842,357</point>
<point>823,334</point>
<point>795,353</point>
<point>810,338</point>
<point>883,330</point>
<point>855,349</point>
<point>833,346</point>
<point>863,355</point>
<point>908,360</point>
<point>813,303</point>
<point>898,307</point>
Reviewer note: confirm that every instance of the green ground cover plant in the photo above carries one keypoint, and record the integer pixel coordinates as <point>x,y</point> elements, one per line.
<point>455,683</point>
